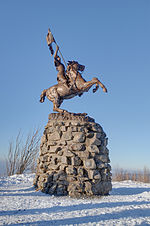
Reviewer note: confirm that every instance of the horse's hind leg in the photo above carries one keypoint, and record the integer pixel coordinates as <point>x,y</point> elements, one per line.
<point>56,105</point>
<point>57,101</point>
<point>54,97</point>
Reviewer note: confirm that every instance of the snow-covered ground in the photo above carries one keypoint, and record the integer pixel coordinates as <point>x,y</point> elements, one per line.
<point>127,204</point>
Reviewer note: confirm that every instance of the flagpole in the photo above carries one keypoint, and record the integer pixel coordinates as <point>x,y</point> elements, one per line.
<point>62,57</point>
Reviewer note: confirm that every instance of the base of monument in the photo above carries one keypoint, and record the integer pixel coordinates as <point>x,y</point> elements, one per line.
<point>74,159</point>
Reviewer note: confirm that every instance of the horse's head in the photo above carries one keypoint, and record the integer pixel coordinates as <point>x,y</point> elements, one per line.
<point>76,66</point>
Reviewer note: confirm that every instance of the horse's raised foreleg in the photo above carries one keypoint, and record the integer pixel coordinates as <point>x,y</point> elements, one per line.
<point>102,86</point>
<point>96,88</point>
<point>95,81</point>
<point>87,85</point>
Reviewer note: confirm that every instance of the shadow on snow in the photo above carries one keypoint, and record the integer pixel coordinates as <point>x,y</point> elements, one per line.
<point>134,214</point>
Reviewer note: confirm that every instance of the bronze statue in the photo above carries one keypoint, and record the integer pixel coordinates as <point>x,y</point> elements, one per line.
<point>70,81</point>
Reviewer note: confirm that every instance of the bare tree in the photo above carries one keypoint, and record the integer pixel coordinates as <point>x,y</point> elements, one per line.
<point>22,156</point>
<point>146,176</point>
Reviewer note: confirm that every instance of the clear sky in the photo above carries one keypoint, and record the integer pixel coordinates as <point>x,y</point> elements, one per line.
<point>111,38</point>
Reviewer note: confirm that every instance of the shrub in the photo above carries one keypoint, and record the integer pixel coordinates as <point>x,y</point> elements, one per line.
<point>22,156</point>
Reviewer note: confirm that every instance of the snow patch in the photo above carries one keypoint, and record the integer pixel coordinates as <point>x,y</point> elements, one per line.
<point>127,204</point>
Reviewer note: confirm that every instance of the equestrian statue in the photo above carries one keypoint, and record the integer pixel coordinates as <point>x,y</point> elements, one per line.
<point>70,81</point>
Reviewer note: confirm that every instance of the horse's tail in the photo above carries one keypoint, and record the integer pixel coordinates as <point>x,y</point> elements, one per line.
<point>43,95</point>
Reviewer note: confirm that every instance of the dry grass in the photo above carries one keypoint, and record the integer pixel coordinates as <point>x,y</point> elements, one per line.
<point>136,175</point>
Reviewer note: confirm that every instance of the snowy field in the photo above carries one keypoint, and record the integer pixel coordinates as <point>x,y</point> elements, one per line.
<point>127,204</point>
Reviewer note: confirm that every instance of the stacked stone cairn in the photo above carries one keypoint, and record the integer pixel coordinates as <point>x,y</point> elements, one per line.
<point>74,159</point>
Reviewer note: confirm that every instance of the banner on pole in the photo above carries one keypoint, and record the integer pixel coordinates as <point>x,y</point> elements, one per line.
<point>50,39</point>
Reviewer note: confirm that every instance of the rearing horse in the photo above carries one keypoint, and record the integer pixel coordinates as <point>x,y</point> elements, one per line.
<point>77,86</point>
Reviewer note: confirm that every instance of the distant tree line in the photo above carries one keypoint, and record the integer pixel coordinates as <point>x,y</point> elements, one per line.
<point>136,175</point>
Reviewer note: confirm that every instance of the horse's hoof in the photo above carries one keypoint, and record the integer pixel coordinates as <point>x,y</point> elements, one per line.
<point>64,111</point>
<point>105,90</point>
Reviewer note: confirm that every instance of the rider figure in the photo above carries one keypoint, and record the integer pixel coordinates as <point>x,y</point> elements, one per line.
<point>61,76</point>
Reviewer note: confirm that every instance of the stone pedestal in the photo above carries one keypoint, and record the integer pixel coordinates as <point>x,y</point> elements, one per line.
<point>74,159</point>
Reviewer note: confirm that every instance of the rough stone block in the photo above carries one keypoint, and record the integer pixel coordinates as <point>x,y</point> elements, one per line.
<point>54,136</point>
<point>50,130</point>
<point>70,170</point>
<point>62,177</point>
<point>52,189</point>
<point>67,153</point>
<point>105,142</point>
<point>90,164</point>
<point>103,158</point>
<point>55,177</point>
<point>104,150</point>
<point>101,188</point>
<point>77,147</point>
<point>63,166</point>
<point>93,148</point>
<point>90,134</point>
<point>64,160</point>
<point>81,171</point>
<point>97,128</point>
<point>93,141</point>
<point>50,177</point>
<point>71,178</point>
<point>43,139</point>
<point>81,129</point>
<point>61,190</point>
<point>79,137</point>
<point>67,136</point>
<point>43,150</point>
<point>60,153</point>
<point>76,161</point>
<point>97,135</point>
<point>88,188</point>
<point>94,174</point>
<point>68,124</point>
<point>72,129</point>
<point>83,154</point>
<point>51,143</point>
<point>63,128</point>
<point>62,143</point>
<point>108,167</point>
<point>54,149</point>
<point>101,165</point>
<point>75,189</point>
<point>53,167</point>
<point>75,123</point>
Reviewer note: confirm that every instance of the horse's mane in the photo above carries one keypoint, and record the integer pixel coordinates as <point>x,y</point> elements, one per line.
<point>71,66</point>
<point>71,62</point>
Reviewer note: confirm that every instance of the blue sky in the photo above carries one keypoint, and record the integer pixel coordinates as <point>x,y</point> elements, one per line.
<point>112,40</point>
